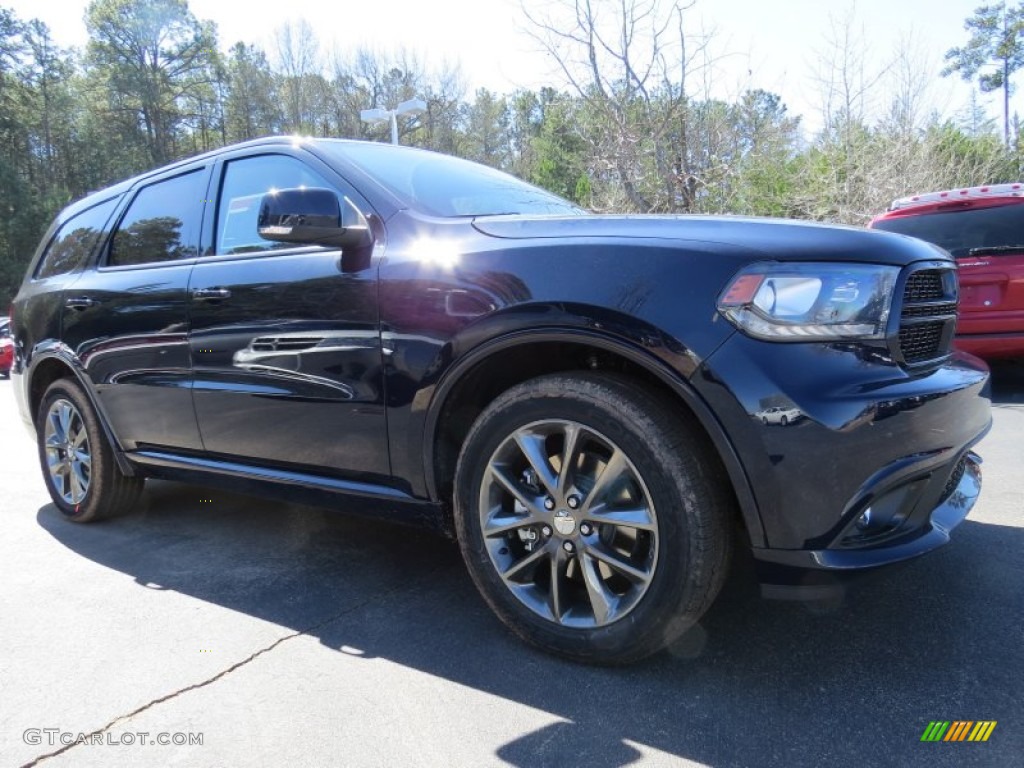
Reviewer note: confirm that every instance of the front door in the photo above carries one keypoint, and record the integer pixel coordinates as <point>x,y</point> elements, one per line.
<point>285,345</point>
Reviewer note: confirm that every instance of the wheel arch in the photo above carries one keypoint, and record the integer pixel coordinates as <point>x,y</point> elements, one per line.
<point>52,364</point>
<point>522,355</point>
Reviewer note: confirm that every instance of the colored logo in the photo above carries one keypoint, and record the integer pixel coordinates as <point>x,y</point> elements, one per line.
<point>958,730</point>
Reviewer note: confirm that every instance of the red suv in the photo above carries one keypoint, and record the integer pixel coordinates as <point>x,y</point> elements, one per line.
<point>983,228</point>
<point>6,349</point>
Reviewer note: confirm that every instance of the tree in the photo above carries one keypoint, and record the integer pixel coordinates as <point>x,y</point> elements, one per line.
<point>298,58</point>
<point>487,135</point>
<point>630,62</point>
<point>150,57</point>
<point>994,52</point>
<point>559,151</point>
<point>251,109</point>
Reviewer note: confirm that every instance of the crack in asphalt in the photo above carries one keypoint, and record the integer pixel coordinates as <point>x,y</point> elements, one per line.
<point>253,656</point>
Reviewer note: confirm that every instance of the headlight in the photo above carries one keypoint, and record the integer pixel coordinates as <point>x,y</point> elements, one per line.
<point>810,302</point>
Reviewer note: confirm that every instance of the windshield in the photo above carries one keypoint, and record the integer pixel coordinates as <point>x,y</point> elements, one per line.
<point>962,230</point>
<point>446,186</point>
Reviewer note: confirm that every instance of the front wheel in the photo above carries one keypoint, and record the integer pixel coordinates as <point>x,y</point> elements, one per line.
<point>78,463</point>
<point>592,516</point>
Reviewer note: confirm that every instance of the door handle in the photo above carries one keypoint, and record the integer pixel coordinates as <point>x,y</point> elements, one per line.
<point>210,294</point>
<point>80,302</point>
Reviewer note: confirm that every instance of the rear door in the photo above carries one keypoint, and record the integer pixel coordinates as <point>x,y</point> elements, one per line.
<point>127,319</point>
<point>285,344</point>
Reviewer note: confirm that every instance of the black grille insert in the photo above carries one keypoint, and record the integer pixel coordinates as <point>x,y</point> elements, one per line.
<point>925,285</point>
<point>930,310</point>
<point>921,342</point>
<point>928,315</point>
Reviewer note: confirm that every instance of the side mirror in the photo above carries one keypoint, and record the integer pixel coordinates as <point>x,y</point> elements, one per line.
<point>307,216</point>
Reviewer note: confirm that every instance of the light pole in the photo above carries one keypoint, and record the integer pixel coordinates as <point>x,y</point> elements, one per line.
<point>378,115</point>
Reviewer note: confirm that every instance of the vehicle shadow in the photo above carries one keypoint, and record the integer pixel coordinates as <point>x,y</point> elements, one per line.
<point>756,683</point>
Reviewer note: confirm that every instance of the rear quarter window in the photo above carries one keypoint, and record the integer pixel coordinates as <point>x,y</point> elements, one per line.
<point>74,242</point>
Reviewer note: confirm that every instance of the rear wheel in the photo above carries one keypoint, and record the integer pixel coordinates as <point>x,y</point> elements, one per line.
<point>78,463</point>
<point>592,516</point>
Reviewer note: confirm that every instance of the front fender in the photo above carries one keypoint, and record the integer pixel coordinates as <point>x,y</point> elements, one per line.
<point>645,347</point>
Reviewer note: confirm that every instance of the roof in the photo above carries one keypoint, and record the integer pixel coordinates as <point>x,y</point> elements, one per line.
<point>1015,189</point>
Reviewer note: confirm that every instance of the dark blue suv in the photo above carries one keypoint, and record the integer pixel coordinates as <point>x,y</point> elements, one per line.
<point>599,408</point>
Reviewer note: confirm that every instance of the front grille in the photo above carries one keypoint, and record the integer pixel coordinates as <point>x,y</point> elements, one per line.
<point>921,342</point>
<point>927,315</point>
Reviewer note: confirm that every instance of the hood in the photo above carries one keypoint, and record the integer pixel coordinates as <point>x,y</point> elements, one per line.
<point>783,239</point>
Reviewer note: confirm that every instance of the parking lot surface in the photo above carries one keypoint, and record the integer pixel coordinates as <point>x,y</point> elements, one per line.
<point>281,635</point>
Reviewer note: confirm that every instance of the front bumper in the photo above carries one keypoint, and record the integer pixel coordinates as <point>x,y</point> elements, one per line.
<point>814,574</point>
<point>875,468</point>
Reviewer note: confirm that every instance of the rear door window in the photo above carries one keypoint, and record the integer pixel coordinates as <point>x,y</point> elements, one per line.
<point>162,223</point>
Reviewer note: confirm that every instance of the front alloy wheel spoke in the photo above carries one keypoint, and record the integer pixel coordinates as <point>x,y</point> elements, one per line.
<point>532,447</point>
<point>568,459</point>
<point>635,517</point>
<point>511,485</point>
<point>557,597</point>
<point>616,562</point>
<point>612,471</point>
<point>601,601</point>
<point>500,522</point>
<point>524,566</point>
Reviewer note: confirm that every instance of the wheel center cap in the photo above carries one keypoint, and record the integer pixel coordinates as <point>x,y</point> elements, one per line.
<point>565,523</point>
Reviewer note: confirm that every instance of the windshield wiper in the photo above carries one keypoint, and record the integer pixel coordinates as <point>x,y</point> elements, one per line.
<point>994,249</point>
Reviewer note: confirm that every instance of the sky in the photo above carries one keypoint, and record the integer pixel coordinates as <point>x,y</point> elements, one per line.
<point>776,45</point>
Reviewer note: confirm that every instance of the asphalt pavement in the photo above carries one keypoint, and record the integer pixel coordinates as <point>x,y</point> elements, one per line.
<point>286,635</point>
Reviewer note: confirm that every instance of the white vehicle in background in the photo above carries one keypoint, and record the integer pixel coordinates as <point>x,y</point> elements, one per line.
<point>780,414</point>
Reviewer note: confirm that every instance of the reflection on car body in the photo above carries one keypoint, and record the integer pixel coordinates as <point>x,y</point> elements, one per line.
<point>779,415</point>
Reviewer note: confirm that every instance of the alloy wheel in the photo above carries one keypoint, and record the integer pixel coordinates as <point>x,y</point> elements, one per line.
<point>568,523</point>
<point>68,456</point>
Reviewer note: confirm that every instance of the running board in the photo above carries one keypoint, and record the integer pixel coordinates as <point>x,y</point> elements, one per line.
<point>351,497</point>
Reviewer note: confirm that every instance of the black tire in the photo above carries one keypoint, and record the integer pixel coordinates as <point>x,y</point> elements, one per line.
<point>785,421</point>
<point>670,460</point>
<point>108,492</point>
